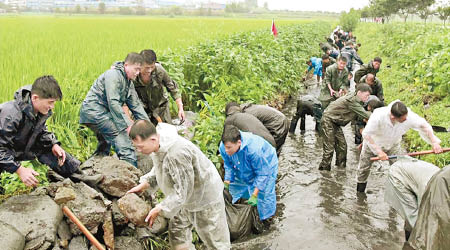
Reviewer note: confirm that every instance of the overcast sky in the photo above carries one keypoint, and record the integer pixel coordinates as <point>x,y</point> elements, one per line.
<point>307,5</point>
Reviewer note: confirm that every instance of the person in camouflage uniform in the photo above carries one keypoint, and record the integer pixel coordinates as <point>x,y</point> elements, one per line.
<point>152,86</point>
<point>338,114</point>
<point>372,67</point>
<point>374,83</point>
<point>335,82</point>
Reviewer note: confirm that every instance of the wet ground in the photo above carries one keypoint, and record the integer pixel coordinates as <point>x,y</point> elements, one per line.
<point>320,209</point>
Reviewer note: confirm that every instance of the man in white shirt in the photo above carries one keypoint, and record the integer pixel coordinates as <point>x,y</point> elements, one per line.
<point>383,134</point>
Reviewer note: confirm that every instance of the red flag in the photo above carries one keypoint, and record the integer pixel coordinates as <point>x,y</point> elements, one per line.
<point>274,29</point>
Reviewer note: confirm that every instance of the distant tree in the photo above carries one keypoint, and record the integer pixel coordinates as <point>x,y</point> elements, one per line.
<point>350,20</point>
<point>101,8</point>
<point>85,9</point>
<point>176,10</point>
<point>405,7</point>
<point>78,9</point>
<point>423,8</point>
<point>443,13</point>
<point>209,12</point>
<point>266,5</point>
<point>251,4</point>
<point>125,11</point>
<point>236,7</point>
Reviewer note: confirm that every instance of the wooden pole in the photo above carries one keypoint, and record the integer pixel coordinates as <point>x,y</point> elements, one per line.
<point>426,152</point>
<point>83,229</point>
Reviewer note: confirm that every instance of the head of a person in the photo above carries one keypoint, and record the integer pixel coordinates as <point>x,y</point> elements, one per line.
<point>363,91</point>
<point>149,65</point>
<point>325,58</point>
<point>321,44</point>
<point>329,40</point>
<point>341,63</point>
<point>45,91</point>
<point>350,76</point>
<point>231,107</point>
<point>144,137</point>
<point>399,112</point>
<point>133,64</point>
<point>309,62</point>
<point>376,63</point>
<point>374,104</point>
<point>349,43</point>
<point>370,79</point>
<point>231,138</point>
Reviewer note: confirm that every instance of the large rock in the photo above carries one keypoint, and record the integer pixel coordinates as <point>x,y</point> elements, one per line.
<point>36,217</point>
<point>127,243</point>
<point>64,194</point>
<point>108,231</point>
<point>10,238</point>
<point>78,243</point>
<point>134,208</point>
<point>88,206</point>
<point>119,176</point>
<point>64,234</point>
<point>118,218</point>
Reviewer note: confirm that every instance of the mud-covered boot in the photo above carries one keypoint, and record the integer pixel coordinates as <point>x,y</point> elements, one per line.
<point>361,187</point>
<point>293,126</point>
<point>323,167</point>
<point>90,180</point>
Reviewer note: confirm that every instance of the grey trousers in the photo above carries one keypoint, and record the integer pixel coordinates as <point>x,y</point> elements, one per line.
<point>365,163</point>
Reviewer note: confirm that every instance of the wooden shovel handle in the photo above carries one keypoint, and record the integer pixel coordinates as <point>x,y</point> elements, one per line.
<point>83,229</point>
<point>426,152</point>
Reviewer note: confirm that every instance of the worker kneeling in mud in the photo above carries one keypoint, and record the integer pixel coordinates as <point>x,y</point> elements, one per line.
<point>251,167</point>
<point>190,182</point>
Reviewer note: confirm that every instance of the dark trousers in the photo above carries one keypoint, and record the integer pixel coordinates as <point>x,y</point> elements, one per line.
<point>71,165</point>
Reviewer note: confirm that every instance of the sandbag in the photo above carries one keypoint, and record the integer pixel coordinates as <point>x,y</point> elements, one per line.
<point>242,219</point>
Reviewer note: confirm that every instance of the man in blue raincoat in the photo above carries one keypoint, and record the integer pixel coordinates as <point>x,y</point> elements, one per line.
<point>316,64</point>
<point>251,167</point>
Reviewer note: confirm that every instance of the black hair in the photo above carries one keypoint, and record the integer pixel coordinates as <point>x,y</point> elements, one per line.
<point>149,56</point>
<point>325,57</point>
<point>363,87</point>
<point>46,87</point>
<point>134,58</point>
<point>231,134</point>
<point>374,104</point>
<point>399,109</point>
<point>341,58</point>
<point>143,129</point>
<point>348,43</point>
<point>377,59</point>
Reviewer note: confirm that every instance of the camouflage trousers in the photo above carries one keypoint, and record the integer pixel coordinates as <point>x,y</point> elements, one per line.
<point>333,140</point>
<point>210,224</point>
<point>365,163</point>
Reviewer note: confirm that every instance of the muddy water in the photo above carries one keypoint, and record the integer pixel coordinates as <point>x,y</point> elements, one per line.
<point>321,210</point>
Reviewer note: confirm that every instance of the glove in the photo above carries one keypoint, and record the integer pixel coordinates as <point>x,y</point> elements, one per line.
<point>253,201</point>
<point>226,185</point>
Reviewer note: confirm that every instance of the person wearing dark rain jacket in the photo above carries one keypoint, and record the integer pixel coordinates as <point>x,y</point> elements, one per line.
<point>306,105</point>
<point>335,83</point>
<point>247,122</point>
<point>338,114</point>
<point>102,108</point>
<point>251,168</point>
<point>153,85</point>
<point>24,135</point>
<point>275,121</point>
<point>350,53</point>
<point>372,67</point>
<point>375,85</point>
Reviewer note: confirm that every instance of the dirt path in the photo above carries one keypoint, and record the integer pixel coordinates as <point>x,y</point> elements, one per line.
<point>320,210</point>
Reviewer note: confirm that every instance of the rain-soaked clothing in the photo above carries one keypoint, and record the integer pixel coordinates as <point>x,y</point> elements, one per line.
<point>350,53</point>
<point>193,191</point>
<point>364,70</point>
<point>24,136</point>
<point>337,79</point>
<point>339,113</point>
<point>306,105</point>
<point>407,181</point>
<point>154,95</point>
<point>254,165</point>
<point>248,123</point>
<point>316,63</point>
<point>377,87</point>
<point>275,121</point>
<point>433,222</point>
<point>102,111</point>
<point>388,136</point>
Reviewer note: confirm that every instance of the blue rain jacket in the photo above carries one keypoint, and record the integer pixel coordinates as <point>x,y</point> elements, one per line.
<point>316,63</point>
<point>255,164</point>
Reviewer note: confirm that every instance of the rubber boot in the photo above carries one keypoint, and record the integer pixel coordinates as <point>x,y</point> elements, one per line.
<point>361,187</point>
<point>293,126</point>
<point>90,180</point>
<point>322,167</point>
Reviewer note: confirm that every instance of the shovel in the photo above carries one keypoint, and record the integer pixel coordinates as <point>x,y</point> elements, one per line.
<point>411,154</point>
<point>440,129</point>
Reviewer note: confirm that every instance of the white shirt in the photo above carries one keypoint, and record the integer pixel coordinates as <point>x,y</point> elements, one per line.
<point>386,134</point>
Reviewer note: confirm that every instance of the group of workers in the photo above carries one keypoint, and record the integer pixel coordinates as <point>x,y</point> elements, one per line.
<point>127,108</point>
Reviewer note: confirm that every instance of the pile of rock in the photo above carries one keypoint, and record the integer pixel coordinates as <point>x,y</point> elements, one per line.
<point>36,222</point>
